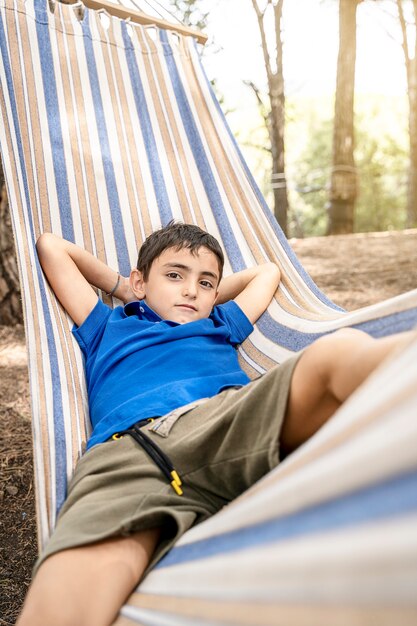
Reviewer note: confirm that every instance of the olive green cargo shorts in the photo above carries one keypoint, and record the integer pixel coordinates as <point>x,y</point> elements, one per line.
<point>219,449</point>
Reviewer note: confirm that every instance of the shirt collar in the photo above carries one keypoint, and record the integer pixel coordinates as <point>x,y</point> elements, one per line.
<point>142,310</point>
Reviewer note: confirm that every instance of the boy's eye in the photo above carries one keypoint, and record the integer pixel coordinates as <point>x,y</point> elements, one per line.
<point>173,275</point>
<point>206,283</point>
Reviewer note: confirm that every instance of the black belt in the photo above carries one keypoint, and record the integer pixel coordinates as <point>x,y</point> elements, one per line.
<point>157,455</point>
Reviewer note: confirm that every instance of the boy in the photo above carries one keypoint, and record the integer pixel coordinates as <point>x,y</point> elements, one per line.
<point>178,428</point>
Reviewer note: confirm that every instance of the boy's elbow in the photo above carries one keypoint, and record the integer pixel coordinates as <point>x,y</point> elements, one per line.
<point>274,271</point>
<point>48,246</point>
<point>48,242</point>
<point>44,241</point>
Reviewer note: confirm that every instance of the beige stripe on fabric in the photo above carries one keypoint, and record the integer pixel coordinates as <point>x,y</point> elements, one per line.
<point>182,165</point>
<point>270,613</point>
<point>107,51</point>
<point>182,58</point>
<point>145,207</point>
<point>33,137</point>
<point>76,60</point>
<point>29,298</point>
<point>257,356</point>
<point>247,367</point>
<point>73,408</point>
<point>164,125</point>
<point>71,398</point>
<point>110,56</point>
<point>208,132</point>
<point>66,61</point>
<point>164,102</point>
<point>37,384</point>
<point>141,212</point>
<point>137,199</point>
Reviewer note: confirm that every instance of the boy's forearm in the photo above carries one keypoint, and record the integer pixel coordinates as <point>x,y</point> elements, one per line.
<point>95,271</point>
<point>72,271</point>
<point>233,285</point>
<point>52,249</point>
<point>252,289</point>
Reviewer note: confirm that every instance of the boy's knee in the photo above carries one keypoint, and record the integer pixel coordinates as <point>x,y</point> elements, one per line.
<point>346,335</point>
<point>339,343</point>
<point>331,351</point>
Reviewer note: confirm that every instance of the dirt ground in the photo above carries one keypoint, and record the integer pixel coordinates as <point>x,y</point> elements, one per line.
<point>354,271</point>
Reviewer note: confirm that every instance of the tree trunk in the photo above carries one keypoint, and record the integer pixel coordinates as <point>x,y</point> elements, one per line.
<point>411,65</point>
<point>343,185</point>
<point>410,61</point>
<point>412,171</point>
<point>10,304</point>
<point>275,120</point>
<point>276,130</point>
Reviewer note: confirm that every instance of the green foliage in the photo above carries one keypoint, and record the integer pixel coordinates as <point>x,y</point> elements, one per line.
<point>311,181</point>
<point>382,165</point>
<point>191,12</point>
<point>381,158</point>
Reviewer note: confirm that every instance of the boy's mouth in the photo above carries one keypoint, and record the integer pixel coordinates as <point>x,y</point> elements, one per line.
<point>187,306</point>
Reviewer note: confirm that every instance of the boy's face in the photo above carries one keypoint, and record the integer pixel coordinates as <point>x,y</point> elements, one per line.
<point>181,286</point>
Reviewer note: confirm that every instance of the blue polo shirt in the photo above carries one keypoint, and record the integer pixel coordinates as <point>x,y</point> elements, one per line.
<point>139,365</point>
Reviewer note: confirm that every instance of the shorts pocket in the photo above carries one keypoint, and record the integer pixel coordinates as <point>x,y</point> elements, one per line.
<point>162,425</point>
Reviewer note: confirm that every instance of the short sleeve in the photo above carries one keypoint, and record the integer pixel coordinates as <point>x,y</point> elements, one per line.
<point>89,334</point>
<point>231,315</point>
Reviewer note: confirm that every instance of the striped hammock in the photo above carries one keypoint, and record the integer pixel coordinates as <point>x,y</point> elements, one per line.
<point>109,130</point>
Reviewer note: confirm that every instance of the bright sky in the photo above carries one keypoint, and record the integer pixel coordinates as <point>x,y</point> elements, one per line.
<point>310,48</point>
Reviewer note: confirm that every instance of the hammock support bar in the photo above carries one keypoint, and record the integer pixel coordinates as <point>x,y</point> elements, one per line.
<point>146,20</point>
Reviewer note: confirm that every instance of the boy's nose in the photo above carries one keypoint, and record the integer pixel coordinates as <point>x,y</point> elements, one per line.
<point>190,290</point>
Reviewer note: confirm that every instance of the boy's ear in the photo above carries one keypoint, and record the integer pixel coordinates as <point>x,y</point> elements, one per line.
<point>137,284</point>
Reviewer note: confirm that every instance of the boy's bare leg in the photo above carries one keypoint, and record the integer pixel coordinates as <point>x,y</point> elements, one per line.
<point>328,372</point>
<point>88,585</point>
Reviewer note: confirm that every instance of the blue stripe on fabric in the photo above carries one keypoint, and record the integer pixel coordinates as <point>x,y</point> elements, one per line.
<point>296,340</point>
<point>162,199</point>
<point>108,167</point>
<point>389,324</point>
<point>203,165</point>
<point>59,431</point>
<point>392,498</point>
<point>267,211</point>
<point>54,121</point>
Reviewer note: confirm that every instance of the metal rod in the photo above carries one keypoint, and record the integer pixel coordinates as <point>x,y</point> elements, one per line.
<point>141,18</point>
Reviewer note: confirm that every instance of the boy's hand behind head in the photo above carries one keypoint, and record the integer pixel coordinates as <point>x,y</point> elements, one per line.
<point>181,286</point>
<point>124,292</point>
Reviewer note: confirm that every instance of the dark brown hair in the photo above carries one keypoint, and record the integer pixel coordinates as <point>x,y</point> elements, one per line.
<point>177,235</point>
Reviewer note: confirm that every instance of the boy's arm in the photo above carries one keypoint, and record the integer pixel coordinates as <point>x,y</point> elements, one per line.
<point>71,271</point>
<point>252,289</point>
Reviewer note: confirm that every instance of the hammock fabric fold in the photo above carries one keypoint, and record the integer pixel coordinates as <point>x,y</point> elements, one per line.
<point>110,129</point>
